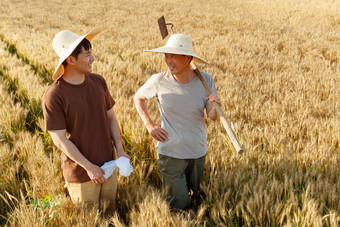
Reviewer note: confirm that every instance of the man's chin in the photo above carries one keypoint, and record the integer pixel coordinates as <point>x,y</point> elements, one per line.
<point>172,71</point>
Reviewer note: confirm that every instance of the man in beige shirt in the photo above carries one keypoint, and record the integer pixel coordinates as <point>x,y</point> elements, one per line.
<point>182,137</point>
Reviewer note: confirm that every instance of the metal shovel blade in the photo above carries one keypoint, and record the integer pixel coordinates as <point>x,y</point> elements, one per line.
<point>162,27</point>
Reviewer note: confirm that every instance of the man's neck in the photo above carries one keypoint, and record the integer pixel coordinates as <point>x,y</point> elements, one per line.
<point>74,78</point>
<point>184,77</point>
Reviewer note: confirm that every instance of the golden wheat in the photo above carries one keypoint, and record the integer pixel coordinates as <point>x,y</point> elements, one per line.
<point>10,113</point>
<point>28,84</point>
<point>276,68</point>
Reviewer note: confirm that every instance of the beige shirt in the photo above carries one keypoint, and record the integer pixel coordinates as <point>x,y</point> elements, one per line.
<point>182,113</point>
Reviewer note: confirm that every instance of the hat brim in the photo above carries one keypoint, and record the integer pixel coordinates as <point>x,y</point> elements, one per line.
<point>171,50</point>
<point>60,68</point>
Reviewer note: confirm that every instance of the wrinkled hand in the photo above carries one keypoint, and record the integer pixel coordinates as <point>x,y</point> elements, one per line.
<point>157,132</point>
<point>213,97</point>
<point>96,174</point>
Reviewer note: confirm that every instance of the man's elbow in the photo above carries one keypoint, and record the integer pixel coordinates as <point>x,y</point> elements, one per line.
<point>212,115</point>
<point>214,118</point>
<point>138,99</point>
<point>135,98</point>
<point>57,141</point>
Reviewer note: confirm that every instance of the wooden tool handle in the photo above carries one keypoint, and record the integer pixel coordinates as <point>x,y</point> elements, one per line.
<point>220,113</point>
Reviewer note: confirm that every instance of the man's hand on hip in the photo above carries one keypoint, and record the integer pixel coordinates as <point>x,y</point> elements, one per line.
<point>157,132</point>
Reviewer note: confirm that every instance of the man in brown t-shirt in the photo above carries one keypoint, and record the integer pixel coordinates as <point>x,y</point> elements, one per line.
<point>78,112</point>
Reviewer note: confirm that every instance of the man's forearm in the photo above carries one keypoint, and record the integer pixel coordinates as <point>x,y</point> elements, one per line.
<point>70,150</point>
<point>212,114</point>
<point>115,133</point>
<point>95,173</point>
<point>155,130</point>
<point>142,110</point>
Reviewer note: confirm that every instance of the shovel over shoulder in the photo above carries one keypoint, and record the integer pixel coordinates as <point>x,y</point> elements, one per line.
<point>220,113</point>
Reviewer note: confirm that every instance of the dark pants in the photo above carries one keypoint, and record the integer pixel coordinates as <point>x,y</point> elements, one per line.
<point>179,177</point>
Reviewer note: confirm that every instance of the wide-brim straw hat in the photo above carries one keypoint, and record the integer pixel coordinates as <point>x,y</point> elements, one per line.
<point>64,43</point>
<point>179,44</point>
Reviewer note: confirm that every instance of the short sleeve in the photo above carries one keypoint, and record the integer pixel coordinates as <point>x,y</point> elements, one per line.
<point>149,89</point>
<point>54,115</point>
<point>212,85</point>
<point>209,80</point>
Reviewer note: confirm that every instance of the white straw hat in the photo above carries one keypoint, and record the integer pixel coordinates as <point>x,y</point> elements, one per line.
<point>64,44</point>
<point>179,44</point>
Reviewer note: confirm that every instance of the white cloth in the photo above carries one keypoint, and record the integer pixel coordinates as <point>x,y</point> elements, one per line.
<point>109,167</point>
<point>125,168</point>
<point>123,164</point>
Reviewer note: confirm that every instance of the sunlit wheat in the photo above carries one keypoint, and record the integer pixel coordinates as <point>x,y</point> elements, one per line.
<point>276,68</point>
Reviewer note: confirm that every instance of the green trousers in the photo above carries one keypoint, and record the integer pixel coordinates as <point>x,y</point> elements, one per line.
<point>180,176</point>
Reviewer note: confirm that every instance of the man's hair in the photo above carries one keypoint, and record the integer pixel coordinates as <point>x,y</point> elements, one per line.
<point>87,46</point>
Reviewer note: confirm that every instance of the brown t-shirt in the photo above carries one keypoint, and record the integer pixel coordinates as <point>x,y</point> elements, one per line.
<point>82,111</point>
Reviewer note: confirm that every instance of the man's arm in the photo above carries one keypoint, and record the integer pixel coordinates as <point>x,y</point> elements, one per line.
<point>95,173</point>
<point>115,133</point>
<point>210,109</point>
<point>154,129</point>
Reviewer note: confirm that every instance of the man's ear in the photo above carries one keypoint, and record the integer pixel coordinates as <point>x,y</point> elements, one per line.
<point>189,58</point>
<point>70,60</point>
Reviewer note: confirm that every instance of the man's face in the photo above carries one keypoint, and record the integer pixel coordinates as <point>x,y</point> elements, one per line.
<point>177,62</point>
<point>84,61</point>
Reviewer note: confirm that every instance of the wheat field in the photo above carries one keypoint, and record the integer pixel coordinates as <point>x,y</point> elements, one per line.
<point>276,68</point>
